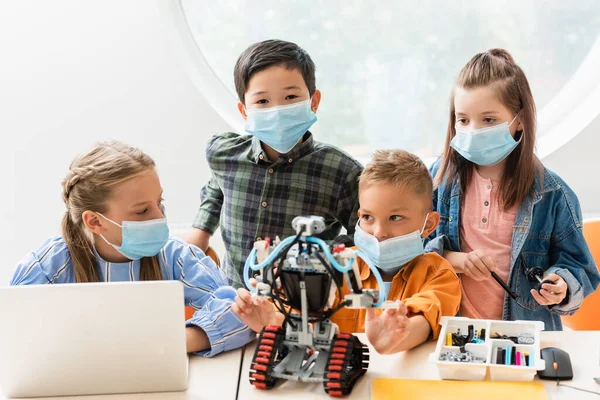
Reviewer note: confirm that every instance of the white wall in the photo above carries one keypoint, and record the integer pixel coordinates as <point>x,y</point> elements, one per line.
<point>578,163</point>
<point>74,72</point>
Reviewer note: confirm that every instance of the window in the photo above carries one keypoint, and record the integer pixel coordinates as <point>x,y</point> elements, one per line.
<point>386,69</point>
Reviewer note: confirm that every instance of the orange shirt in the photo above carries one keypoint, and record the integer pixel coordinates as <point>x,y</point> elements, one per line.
<point>427,285</point>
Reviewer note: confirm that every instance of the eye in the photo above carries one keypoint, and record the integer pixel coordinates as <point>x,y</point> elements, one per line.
<point>291,97</point>
<point>462,121</point>
<point>262,101</point>
<point>144,211</point>
<point>366,218</point>
<point>489,120</point>
<point>396,218</point>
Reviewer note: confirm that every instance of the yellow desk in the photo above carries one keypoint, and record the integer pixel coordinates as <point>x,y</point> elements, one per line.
<point>583,347</point>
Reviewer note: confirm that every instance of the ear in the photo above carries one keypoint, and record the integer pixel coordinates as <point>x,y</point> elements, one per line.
<point>519,125</point>
<point>433,219</point>
<point>93,222</point>
<point>242,110</point>
<point>315,101</point>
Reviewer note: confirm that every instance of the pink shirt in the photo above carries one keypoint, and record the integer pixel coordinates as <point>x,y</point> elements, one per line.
<point>484,226</point>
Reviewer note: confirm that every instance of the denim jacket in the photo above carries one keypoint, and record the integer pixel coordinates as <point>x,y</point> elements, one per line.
<point>547,234</point>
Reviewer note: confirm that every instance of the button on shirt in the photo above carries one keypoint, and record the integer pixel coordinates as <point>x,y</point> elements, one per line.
<point>250,196</point>
<point>485,226</point>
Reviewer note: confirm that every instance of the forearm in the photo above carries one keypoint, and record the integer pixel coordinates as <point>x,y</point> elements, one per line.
<point>196,339</point>
<point>457,259</point>
<point>197,237</point>
<point>417,332</point>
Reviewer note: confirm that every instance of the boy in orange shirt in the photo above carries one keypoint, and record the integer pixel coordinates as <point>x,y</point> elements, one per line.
<point>395,192</point>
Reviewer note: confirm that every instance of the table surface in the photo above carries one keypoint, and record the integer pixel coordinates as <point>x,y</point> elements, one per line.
<point>582,346</point>
<point>218,378</point>
<point>209,378</point>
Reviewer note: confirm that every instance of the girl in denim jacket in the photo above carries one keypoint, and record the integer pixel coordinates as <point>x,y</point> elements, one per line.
<point>501,210</point>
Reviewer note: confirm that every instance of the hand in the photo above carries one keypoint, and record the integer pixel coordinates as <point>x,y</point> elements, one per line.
<point>478,265</point>
<point>386,331</point>
<point>551,293</point>
<point>254,312</point>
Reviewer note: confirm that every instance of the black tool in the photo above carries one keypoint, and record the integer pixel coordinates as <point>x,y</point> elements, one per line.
<point>505,286</point>
<point>541,282</point>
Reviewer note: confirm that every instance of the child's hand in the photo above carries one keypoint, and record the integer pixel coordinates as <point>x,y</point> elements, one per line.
<point>478,265</point>
<point>386,331</point>
<point>551,294</point>
<point>254,312</point>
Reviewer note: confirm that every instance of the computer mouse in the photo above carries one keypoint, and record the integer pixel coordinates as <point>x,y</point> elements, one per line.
<point>558,365</point>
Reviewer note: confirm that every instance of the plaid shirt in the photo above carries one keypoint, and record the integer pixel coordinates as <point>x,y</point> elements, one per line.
<point>254,198</point>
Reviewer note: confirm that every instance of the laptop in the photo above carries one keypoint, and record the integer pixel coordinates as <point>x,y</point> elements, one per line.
<point>92,338</point>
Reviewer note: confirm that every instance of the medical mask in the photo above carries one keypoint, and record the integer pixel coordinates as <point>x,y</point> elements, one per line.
<point>391,254</point>
<point>141,238</point>
<point>486,146</point>
<point>280,127</point>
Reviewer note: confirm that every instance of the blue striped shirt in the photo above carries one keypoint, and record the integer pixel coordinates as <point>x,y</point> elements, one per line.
<point>205,286</point>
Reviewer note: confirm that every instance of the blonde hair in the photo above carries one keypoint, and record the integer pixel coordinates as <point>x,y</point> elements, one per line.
<point>401,169</point>
<point>497,69</point>
<point>89,183</point>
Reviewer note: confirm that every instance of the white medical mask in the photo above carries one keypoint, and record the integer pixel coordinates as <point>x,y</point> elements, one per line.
<point>141,238</point>
<point>485,146</point>
<point>392,254</point>
<point>281,127</point>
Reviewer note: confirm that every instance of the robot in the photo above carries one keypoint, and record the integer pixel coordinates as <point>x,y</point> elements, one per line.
<point>301,276</point>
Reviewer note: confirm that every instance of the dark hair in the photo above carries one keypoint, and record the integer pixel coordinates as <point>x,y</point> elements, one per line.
<point>497,69</point>
<point>268,53</point>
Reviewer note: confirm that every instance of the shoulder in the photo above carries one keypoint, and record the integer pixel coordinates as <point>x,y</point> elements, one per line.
<point>222,144</point>
<point>434,263</point>
<point>553,182</point>
<point>433,169</point>
<point>560,196</point>
<point>334,156</point>
<point>49,259</point>
<point>179,251</point>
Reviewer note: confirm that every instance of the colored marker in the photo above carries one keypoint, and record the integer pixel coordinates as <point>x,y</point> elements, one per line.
<point>518,358</point>
<point>449,339</point>
<point>513,356</point>
<point>507,357</point>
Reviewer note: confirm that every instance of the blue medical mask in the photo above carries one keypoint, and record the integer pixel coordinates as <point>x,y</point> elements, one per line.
<point>141,238</point>
<point>391,254</point>
<point>280,127</point>
<point>486,146</point>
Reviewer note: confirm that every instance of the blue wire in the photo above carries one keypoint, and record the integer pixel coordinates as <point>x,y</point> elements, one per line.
<point>382,291</point>
<point>330,257</point>
<point>309,239</point>
<point>257,267</point>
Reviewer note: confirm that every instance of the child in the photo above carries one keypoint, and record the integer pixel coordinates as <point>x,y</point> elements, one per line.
<point>501,210</point>
<point>395,214</point>
<point>261,181</point>
<point>115,230</point>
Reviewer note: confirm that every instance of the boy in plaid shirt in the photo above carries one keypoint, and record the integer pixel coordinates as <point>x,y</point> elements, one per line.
<point>261,181</point>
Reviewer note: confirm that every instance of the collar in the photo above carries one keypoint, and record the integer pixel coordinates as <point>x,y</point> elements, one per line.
<point>257,154</point>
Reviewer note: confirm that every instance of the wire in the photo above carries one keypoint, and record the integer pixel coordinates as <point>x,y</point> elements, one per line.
<point>331,272</point>
<point>576,388</point>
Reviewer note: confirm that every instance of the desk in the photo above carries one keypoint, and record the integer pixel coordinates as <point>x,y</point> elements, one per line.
<point>582,346</point>
<point>204,373</point>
